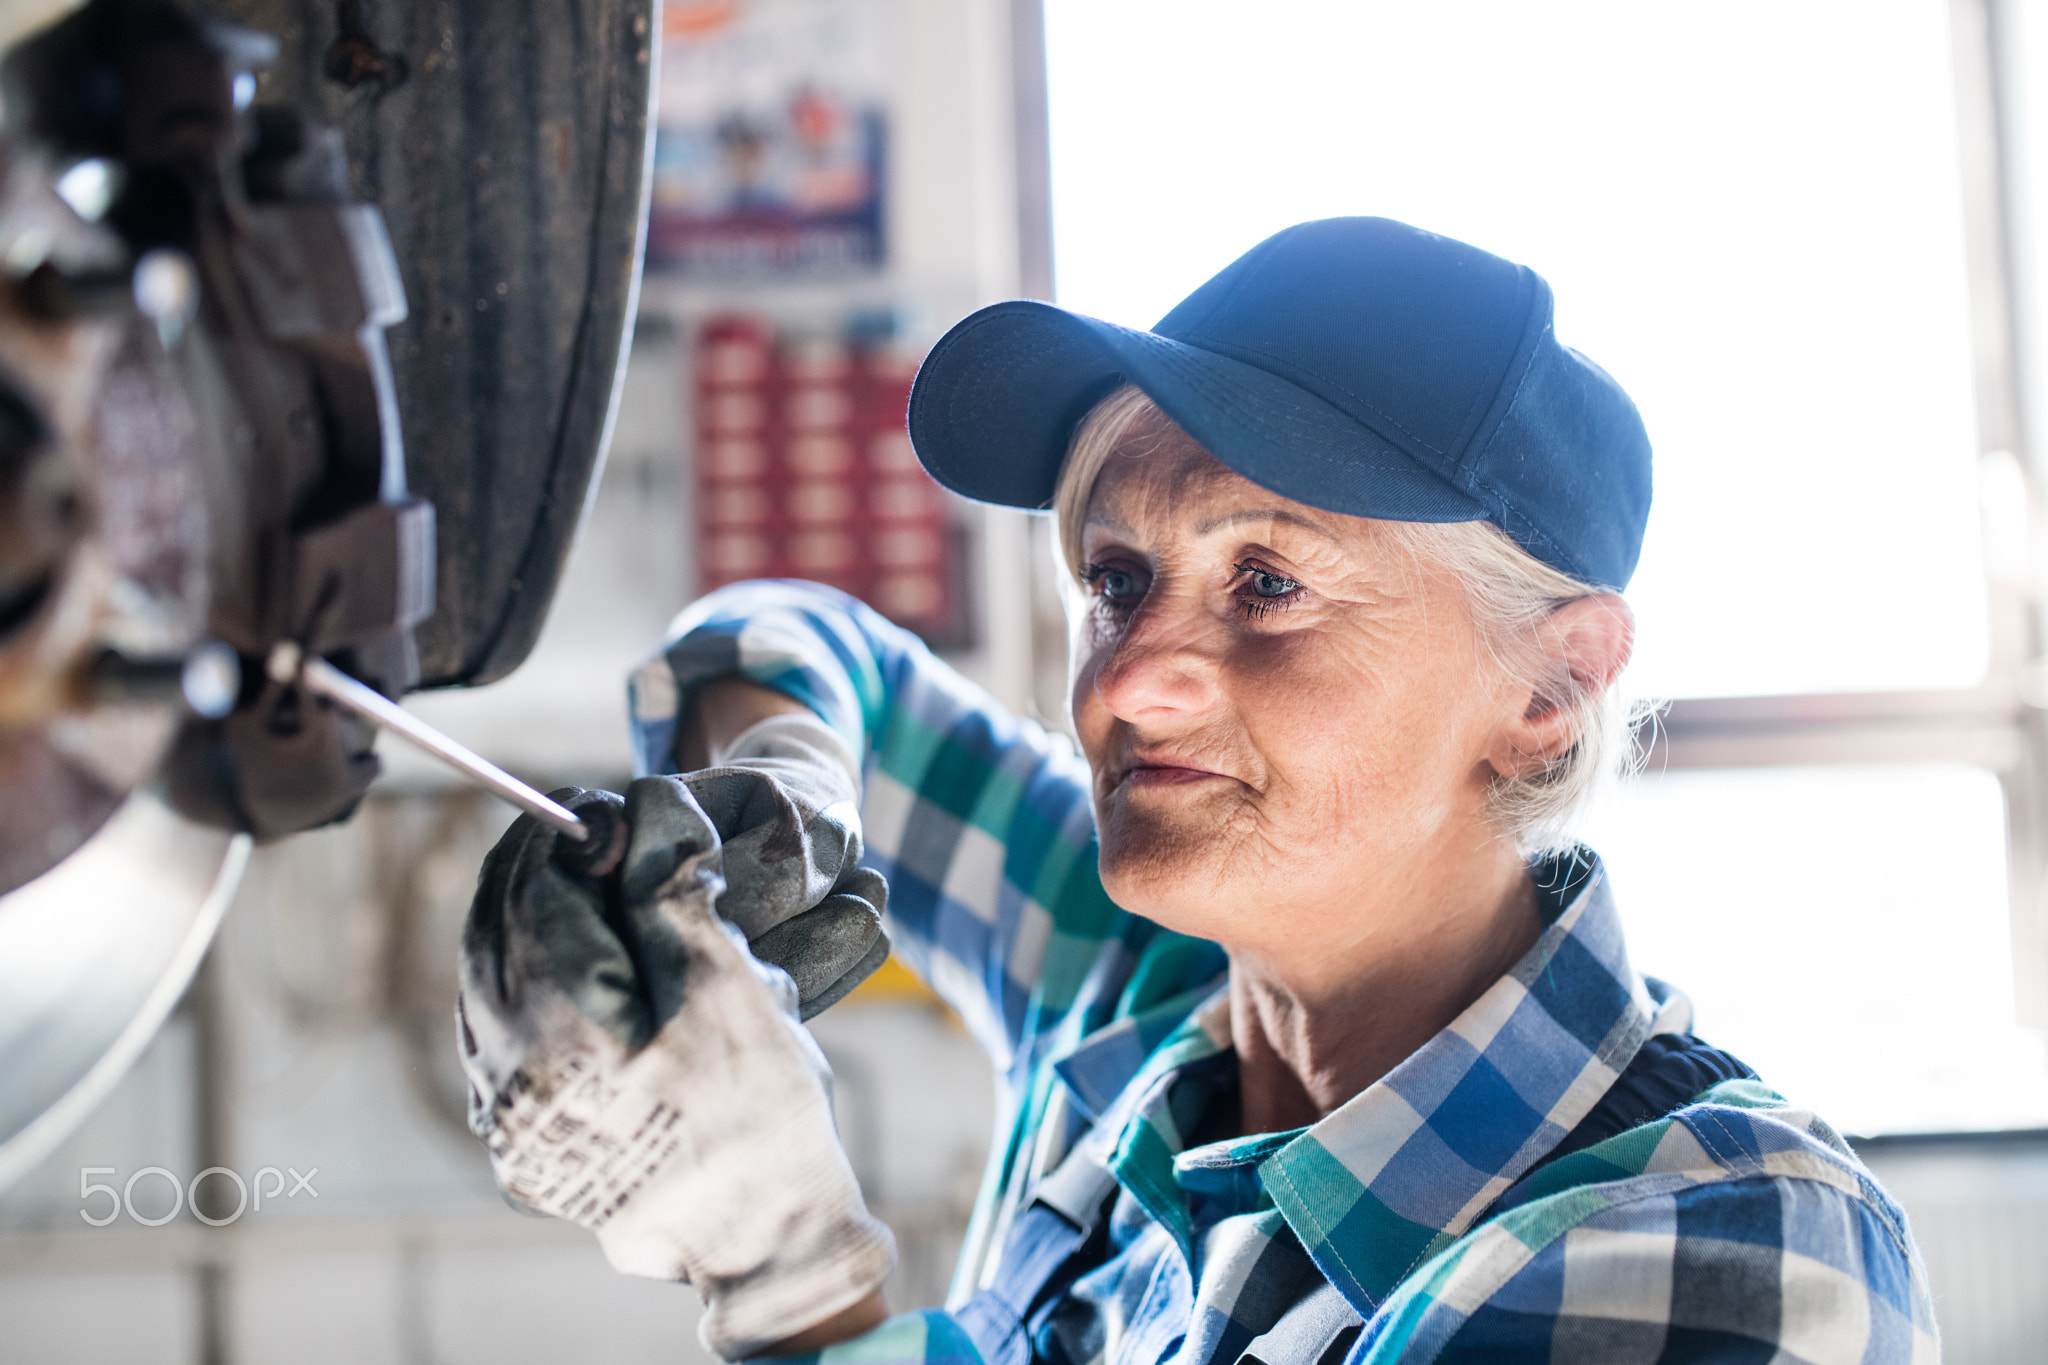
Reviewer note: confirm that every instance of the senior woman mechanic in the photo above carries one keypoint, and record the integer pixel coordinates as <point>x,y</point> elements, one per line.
<point>1318,1038</point>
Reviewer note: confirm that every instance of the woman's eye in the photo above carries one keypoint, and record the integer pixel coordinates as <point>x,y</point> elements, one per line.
<point>1112,584</point>
<point>1266,583</point>
<point>1268,590</point>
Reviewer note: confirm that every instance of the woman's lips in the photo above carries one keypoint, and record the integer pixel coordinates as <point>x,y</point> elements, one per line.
<point>1165,775</point>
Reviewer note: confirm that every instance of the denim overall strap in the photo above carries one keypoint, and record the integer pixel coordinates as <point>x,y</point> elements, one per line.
<point>1066,1211</point>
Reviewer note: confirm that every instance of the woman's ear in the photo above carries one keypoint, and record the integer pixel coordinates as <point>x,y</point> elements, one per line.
<point>1589,640</point>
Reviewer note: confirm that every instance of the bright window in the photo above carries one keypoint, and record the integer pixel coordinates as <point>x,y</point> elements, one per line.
<point>1844,930</point>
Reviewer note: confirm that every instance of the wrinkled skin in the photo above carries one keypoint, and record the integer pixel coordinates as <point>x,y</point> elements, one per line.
<point>1292,726</point>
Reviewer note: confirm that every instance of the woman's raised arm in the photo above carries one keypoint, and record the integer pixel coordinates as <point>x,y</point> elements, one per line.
<point>978,819</point>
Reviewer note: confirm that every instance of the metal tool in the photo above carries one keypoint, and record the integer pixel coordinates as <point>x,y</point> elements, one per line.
<point>289,665</point>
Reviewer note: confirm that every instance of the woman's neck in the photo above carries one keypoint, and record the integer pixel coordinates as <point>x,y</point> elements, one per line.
<point>1313,1027</point>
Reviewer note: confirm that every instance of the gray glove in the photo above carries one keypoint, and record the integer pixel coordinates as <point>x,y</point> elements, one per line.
<point>634,1069</point>
<point>784,797</point>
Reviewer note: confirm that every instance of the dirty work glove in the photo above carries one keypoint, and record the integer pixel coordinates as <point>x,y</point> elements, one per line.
<point>784,796</point>
<point>633,1068</point>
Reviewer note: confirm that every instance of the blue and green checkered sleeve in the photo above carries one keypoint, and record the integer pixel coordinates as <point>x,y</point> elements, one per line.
<point>979,820</point>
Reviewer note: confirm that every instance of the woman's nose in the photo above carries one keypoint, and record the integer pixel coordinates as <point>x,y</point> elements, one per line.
<point>1163,662</point>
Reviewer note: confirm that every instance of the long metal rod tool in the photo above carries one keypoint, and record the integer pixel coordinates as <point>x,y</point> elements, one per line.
<point>288,664</point>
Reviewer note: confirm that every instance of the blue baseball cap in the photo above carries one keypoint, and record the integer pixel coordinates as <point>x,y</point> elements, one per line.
<point>1353,364</point>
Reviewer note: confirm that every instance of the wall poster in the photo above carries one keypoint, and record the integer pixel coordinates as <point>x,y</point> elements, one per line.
<point>770,140</point>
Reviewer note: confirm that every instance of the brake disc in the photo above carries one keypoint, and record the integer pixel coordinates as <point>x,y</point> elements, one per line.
<point>93,955</point>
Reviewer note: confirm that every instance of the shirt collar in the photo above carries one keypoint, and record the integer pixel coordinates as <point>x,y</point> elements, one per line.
<point>1103,1069</point>
<point>1406,1166</point>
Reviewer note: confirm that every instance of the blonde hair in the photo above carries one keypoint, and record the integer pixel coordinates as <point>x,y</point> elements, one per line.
<point>1509,592</point>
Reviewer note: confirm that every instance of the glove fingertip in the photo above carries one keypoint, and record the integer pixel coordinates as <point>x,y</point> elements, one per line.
<point>818,946</point>
<point>870,963</point>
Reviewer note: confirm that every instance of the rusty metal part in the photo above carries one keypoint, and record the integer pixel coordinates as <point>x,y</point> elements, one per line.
<point>102,534</point>
<point>41,518</point>
<point>236,271</point>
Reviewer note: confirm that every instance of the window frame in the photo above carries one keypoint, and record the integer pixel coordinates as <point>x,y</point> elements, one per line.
<point>1999,724</point>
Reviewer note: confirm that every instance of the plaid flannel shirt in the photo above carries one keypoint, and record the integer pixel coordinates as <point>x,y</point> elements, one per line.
<point>1740,1228</point>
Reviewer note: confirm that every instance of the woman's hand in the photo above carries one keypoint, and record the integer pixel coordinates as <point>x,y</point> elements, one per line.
<point>784,791</point>
<point>635,1070</point>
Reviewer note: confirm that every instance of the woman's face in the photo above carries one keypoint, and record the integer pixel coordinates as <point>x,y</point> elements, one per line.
<point>1279,704</point>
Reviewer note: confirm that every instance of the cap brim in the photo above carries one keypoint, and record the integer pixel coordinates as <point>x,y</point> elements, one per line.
<point>996,402</point>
